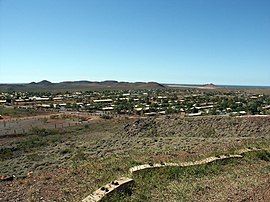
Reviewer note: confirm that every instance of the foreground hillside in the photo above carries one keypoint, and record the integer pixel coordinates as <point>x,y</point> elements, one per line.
<point>67,164</point>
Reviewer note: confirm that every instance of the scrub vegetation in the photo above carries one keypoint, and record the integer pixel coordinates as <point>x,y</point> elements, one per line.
<point>71,162</point>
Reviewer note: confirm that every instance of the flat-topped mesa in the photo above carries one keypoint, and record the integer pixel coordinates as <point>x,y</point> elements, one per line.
<point>108,189</point>
<point>183,164</point>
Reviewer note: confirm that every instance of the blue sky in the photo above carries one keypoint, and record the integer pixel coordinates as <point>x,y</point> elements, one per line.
<point>168,41</point>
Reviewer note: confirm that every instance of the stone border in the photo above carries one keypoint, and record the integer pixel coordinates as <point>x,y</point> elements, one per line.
<point>108,189</point>
<point>192,163</point>
<point>242,151</point>
<point>124,182</point>
<point>136,169</point>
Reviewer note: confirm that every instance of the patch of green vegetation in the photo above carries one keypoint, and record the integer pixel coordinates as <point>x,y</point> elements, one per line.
<point>106,116</point>
<point>264,155</point>
<point>34,156</point>
<point>122,196</point>
<point>208,131</point>
<point>18,112</point>
<point>34,142</point>
<point>151,183</point>
<point>6,153</point>
<point>261,155</point>
<point>86,126</point>
<point>42,131</point>
<point>39,138</point>
<point>79,156</point>
<point>67,150</point>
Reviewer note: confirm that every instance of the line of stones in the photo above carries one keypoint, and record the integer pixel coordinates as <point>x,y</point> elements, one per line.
<point>124,182</point>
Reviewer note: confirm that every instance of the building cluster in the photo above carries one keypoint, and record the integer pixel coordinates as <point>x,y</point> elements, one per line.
<point>189,102</point>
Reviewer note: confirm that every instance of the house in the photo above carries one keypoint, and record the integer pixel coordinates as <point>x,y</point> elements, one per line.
<point>107,108</point>
<point>151,114</point>
<point>102,101</point>
<point>242,112</point>
<point>195,114</point>
<point>43,106</point>
<point>3,101</point>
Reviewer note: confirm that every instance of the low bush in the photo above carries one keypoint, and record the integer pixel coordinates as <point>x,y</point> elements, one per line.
<point>34,156</point>
<point>6,153</point>
<point>264,155</point>
<point>106,116</point>
<point>42,131</point>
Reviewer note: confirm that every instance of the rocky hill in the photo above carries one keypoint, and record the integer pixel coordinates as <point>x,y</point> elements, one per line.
<point>200,127</point>
<point>78,86</point>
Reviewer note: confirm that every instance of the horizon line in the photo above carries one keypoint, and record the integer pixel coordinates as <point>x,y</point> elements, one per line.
<point>163,83</point>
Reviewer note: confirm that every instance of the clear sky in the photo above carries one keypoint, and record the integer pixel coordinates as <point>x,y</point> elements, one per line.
<point>168,41</point>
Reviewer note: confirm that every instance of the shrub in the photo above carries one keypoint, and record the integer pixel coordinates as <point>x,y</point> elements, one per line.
<point>264,155</point>
<point>34,156</point>
<point>66,151</point>
<point>105,116</point>
<point>54,117</point>
<point>6,153</point>
<point>42,131</point>
<point>79,156</point>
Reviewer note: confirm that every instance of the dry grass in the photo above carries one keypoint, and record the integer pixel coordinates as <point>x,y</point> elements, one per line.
<point>72,162</point>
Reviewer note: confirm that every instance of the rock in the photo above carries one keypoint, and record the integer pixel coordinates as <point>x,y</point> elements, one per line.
<point>7,178</point>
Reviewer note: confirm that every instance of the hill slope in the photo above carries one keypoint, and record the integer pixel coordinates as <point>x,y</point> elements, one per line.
<point>78,86</point>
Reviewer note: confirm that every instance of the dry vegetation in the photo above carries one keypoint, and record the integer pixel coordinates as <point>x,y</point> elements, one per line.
<point>70,163</point>
<point>17,113</point>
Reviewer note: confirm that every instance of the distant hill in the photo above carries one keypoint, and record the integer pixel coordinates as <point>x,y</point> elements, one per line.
<point>44,82</point>
<point>78,86</point>
<point>209,85</point>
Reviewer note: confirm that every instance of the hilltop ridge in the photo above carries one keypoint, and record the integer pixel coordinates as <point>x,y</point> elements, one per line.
<point>79,86</point>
